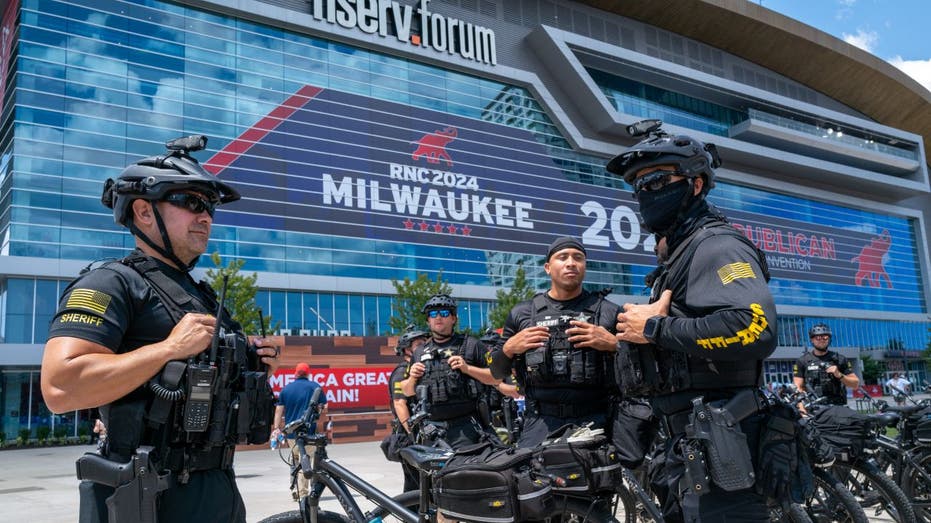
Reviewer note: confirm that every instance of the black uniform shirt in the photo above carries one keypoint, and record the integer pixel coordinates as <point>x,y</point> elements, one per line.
<point>398,375</point>
<point>113,306</point>
<point>812,367</point>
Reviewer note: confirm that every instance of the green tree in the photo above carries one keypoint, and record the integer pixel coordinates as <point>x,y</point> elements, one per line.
<point>520,291</point>
<point>240,293</point>
<point>410,298</point>
<point>871,369</point>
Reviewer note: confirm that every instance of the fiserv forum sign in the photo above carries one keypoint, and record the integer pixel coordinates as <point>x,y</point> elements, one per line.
<point>385,18</point>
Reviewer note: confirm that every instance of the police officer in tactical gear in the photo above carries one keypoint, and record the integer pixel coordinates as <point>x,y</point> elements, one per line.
<point>560,344</point>
<point>823,372</point>
<point>453,368</point>
<point>702,339</point>
<point>402,404</point>
<point>130,337</point>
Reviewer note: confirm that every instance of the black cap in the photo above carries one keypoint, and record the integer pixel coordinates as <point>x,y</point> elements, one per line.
<point>564,242</point>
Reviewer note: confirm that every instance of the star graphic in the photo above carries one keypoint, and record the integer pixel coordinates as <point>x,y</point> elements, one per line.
<point>438,227</point>
<point>466,231</point>
<point>408,224</point>
<point>452,229</point>
<point>424,226</point>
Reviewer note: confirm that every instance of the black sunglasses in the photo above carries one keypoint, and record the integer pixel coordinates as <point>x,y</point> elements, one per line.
<point>443,313</point>
<point>191,202</point>
<point>654,181</point>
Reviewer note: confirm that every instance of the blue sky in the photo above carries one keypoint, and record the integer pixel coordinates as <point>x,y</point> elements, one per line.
<point>894,30</point>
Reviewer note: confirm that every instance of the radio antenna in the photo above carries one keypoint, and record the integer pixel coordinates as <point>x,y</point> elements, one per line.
<point>215,342</point>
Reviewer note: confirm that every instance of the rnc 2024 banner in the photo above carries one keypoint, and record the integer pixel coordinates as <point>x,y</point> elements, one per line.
<point>334,163</point>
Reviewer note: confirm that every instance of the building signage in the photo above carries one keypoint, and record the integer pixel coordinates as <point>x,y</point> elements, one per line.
<point>340,164</point>
<point>344,387</point>
<point>415,25</point>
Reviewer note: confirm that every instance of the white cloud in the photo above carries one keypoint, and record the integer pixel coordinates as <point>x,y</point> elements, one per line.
<point>865,40</point>
<point>920,70</point>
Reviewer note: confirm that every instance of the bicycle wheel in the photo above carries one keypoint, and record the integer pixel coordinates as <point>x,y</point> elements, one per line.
<point>577,510</point>
<point>875,491</point>
<point>788,513</point>
<point>294,516</point>
<point>627,508</point>
<point>916,485</point>
<point>831,501</point>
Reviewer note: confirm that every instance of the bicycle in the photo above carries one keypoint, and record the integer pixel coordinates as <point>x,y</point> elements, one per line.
<point>856,466</point>
<point>907,456</point>
<point>409,507</point>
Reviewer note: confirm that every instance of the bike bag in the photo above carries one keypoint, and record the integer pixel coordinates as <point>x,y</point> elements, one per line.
<point>487,484</point>
<point>846,430</point>
<point>590,465</point>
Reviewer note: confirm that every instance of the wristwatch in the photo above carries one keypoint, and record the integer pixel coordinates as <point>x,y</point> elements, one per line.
<point>651,328</point>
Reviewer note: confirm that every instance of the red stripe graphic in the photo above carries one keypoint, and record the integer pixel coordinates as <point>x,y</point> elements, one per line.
<point>254,134</point>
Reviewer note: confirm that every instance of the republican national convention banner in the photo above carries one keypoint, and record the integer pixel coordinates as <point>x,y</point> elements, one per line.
<point>334,163</point>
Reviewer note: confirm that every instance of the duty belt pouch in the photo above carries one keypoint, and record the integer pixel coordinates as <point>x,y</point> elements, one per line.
<point>725,446</point>
<point>484,483</point>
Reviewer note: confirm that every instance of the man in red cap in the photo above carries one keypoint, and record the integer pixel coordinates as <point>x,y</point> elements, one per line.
<point>292,403</point>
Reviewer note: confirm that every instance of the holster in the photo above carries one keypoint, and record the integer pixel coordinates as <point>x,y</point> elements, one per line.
<point>136,483</point>
<point>725,444</point>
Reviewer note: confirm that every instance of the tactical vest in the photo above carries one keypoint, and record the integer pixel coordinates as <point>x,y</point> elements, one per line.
<point>822,384</point>
<point>558,364</point>
<point>451,393</point>
<point>242,404</point>
<point>666,371</point>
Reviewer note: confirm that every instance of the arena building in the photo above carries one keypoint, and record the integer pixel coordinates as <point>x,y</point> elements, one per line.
<point>375,140</point>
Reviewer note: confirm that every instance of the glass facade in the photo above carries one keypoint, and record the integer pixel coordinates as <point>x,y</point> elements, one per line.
<point>94,87</point>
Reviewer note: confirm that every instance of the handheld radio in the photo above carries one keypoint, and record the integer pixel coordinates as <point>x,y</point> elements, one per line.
<point>201,378</point>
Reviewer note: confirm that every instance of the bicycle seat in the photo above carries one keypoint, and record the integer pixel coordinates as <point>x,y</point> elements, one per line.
<point>907,410</point>
<point>426,458</point>
<point>885,419</point>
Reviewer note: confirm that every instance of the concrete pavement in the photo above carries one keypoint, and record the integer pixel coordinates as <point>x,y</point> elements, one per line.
<point>39,485</point>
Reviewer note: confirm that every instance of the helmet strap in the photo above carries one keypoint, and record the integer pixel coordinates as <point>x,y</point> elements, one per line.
<point>167,250</point>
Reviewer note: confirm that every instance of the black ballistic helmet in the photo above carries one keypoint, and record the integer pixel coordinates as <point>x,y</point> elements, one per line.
<point>490,337</point>
<point>819,329</point>
<point>405,340</point>
<point>440,301</point>
<point>691,157</point>
<point>156,176</point>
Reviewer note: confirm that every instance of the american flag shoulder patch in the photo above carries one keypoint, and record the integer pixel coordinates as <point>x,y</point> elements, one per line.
<point>735,271</point>
<point>89,300</point>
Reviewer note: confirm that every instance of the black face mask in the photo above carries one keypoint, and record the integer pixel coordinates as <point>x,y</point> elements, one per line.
<point>660,208</point>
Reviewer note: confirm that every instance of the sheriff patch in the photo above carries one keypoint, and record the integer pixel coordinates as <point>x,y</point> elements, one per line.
<point>86,319</point>
<point>89,300</point>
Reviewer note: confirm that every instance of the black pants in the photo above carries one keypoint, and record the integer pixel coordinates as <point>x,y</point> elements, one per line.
<point>465,430</point>
<point>716,506</point>
<point>209,496</point>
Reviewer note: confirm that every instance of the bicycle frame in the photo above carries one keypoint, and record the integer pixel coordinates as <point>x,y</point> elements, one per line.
<point>326,473</point>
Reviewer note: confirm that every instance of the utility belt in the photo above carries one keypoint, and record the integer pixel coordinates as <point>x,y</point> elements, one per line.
<point>183,459</point>
<point>566,410</point>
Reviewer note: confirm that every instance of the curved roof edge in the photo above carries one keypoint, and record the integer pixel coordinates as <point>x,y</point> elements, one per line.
<point>842,71</point>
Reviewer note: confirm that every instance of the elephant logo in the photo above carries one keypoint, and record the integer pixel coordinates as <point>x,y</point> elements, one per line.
<point>870,261</point>
<point>433,146</point>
